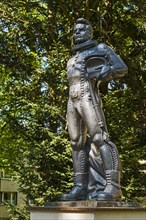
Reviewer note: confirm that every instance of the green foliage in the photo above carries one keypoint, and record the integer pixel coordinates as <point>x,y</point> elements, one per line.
<point>18,212</point>
<point>34,92</point>
<point>35,44</point>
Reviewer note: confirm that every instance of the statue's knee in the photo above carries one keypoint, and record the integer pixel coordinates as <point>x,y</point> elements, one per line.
<point>77,143</point>
<point>98,140</point>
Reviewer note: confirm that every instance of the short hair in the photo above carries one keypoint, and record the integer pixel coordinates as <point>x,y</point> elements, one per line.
<point>82,21</point>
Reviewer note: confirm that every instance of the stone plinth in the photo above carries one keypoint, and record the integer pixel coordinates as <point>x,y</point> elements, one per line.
<point>88,210</point>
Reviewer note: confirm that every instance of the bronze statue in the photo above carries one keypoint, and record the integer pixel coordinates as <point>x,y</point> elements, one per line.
<point>91,64</point>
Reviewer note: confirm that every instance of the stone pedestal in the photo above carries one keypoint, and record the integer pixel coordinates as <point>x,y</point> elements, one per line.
<point>88,210</point>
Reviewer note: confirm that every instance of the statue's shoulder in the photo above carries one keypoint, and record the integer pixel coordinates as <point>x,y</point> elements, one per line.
<point>102,46</point>
<point>100,49</point>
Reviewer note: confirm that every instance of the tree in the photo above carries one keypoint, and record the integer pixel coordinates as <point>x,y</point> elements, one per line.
<point>33,94</point>
<point>35,44</point>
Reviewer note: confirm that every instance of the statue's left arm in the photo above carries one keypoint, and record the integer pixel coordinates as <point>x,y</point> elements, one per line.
<point>116,67</point>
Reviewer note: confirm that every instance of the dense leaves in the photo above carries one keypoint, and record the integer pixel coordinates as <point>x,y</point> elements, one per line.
<point>35,44</point>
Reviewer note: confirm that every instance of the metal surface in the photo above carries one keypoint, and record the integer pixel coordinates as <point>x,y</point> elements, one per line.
<point>91,64</point>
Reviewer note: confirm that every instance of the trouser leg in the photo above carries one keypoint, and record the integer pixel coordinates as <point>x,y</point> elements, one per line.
<point>77,133</point>
<point>109,155</point>
<point>111,165</point>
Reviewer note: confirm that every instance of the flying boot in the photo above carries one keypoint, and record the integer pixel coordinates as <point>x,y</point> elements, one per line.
<point>110,157</point>
<point>80,165</point>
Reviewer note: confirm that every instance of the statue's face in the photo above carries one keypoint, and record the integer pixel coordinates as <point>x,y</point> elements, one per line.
<point>81,33</point>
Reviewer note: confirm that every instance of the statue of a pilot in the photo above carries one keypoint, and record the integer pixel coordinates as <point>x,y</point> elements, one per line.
<point>91,64</point>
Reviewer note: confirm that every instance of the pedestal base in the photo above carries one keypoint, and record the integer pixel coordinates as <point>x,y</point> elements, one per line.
<point>88,210</point>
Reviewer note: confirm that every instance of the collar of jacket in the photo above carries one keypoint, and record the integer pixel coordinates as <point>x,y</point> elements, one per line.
<point>84,46</point>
